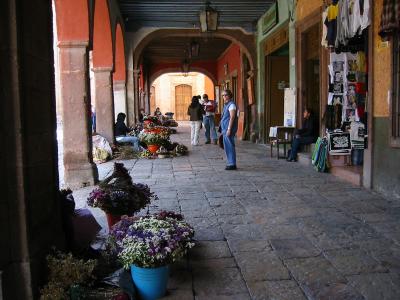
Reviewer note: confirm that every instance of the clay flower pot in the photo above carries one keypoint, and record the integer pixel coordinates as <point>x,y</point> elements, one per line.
<point>153,148</point>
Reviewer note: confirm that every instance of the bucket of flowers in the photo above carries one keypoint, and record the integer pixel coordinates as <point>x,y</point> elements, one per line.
<point>150,121</point>
<point>152,140</point>
<point>117,195</point>
<point>148,245</point>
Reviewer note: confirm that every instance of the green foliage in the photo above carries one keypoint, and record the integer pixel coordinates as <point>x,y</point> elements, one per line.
<point>65,273</point>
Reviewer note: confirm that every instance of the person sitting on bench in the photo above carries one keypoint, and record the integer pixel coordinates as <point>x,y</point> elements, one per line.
<point>121,130</point>
<point>304,136</point>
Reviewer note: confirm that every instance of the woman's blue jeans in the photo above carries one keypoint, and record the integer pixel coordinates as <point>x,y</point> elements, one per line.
<point>230,151</point>
<point>209,125</point>
<point>129,139</point>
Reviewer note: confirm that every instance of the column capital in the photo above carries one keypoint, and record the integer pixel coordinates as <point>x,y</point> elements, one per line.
<point>118,84</point>
<point>102,69</point>
<point>72,44</point>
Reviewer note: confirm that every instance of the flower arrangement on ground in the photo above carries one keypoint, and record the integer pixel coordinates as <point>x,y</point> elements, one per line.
<point>151,241</point>
<point>68,276</point>
<point>147,245</point>
<point>181,149</point>
<point>150,138</point>
<point>118,195</point>
<point>151,119</point>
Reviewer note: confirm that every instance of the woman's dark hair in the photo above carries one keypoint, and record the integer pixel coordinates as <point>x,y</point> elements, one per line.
<point>195,102</point>
<point>308,109</point>
<point>228,92</point>
<point>121,117</point>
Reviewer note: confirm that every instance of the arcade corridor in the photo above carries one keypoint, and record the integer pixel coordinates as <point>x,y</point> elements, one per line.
<point>271,229</point>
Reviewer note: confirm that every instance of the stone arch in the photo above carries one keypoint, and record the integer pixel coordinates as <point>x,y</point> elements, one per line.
<point>119,75</point>
<point>119,64</point>
<point>245,41</point>
<point>102,37</point>
<point>178,70</point>
<point>72,20</point>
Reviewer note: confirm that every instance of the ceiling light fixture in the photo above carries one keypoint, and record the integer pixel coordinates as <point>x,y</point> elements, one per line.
<point>185,67</point>
<point>194,49</point>
<point>208,18</point>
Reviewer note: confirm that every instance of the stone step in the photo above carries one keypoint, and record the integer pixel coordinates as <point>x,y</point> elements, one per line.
<point>352,174</point>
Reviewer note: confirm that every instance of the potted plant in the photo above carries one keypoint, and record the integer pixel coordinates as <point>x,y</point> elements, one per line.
<point>152,140</point>
<point>147,245</point>
<point>117,195</point>
<point>148,120</point>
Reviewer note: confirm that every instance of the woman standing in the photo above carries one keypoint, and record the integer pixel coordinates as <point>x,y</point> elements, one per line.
<point>229,126</point>
<point>195,111</point>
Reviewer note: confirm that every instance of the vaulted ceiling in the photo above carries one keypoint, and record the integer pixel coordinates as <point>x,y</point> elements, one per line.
<point>185,13</point>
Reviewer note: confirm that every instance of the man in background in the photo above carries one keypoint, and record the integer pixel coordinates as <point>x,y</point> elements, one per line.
<point>209,120</point>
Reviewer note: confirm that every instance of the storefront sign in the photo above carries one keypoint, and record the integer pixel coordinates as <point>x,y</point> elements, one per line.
<point>270,19</point>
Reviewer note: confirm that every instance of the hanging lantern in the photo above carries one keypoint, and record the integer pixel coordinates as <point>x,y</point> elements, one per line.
<point>208,18</point>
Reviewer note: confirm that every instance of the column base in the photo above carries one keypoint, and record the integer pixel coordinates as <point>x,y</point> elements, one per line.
<point>80,175</point>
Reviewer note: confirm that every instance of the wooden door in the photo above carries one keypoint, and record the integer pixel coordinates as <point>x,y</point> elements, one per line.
<point>183,98</point>
<point>277,72</point>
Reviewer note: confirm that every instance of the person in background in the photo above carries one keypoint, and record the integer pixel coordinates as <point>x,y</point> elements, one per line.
<point>229,125</point>
<point>304,136</point>
<point>158,112</point>
<point>141,115</point>
<point>121,130</point>
<point>209,120</point>
<point>195,111</point>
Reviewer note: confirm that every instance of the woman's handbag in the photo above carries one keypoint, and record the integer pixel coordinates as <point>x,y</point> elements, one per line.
<point>221,141</point>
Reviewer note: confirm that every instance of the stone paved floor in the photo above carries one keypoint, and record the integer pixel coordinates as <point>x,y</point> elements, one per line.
<point>272,229</point>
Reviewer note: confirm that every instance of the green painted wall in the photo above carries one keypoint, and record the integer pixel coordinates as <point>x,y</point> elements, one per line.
<point>386,165</point>
<point>283,12</point>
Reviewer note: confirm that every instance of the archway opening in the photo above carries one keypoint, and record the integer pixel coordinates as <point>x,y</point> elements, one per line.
<point>172,92</point>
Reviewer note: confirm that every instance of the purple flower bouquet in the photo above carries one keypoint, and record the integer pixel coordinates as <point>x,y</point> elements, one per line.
<point>151,241</point>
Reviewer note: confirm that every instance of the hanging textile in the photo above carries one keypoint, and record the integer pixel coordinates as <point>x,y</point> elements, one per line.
<point>320,155</point>
<point>390,19</point>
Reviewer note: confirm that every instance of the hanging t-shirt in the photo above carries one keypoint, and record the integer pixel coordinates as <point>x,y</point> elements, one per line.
<point>324,42</point>
<point>361,16</point>
<point>331,24</point>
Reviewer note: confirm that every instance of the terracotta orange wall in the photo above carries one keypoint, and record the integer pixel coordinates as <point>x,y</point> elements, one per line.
<point>381,66</point>
<point>306,7</point>
<point>209,87</point>
<point>232,58</point>
<point>119,73</point>
<point>102,44</point>
<point>72,20</point>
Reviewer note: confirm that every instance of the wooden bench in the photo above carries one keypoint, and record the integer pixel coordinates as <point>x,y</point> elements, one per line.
<point>282,136</point>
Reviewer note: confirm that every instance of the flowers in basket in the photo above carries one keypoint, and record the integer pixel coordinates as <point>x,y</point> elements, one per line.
<point>181,149</point>
<point>151,119</point>
<point>152,138</point>
<point>151,241</point>
<point>118,195</point>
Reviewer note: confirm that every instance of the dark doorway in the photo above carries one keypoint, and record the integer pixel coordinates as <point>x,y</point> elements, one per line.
<point>277,79</point>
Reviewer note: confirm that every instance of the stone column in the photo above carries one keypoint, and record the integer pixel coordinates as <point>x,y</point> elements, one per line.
<point>104,103</point>
<point>78,162</point>
<point>119,98</point>
<point>136,75</point>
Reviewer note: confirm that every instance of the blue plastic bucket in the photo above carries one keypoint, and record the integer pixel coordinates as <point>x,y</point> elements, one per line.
<point>151,283</point>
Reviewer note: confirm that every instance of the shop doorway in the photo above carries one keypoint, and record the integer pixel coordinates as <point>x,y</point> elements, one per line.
<point>311,91</point>
<point>183,98</point>
<point>277,79</point>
